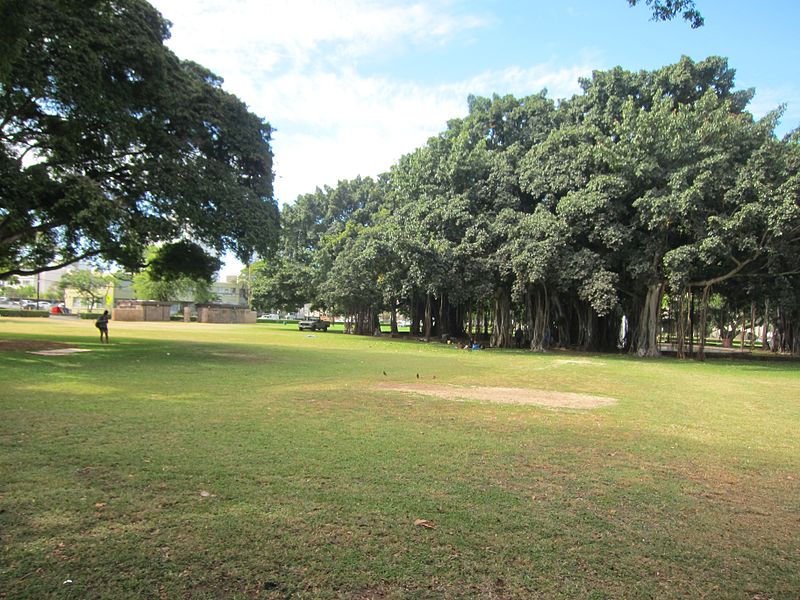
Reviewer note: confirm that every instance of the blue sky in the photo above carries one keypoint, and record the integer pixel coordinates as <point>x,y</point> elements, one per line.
<point>351,85</point>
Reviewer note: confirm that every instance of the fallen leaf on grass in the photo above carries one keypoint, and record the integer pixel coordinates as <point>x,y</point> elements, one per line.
<point>99,504</point>
<point>425,523</point>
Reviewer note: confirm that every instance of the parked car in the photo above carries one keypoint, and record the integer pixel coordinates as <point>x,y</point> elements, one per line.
<point>269,317</point>
<point>314,325</point>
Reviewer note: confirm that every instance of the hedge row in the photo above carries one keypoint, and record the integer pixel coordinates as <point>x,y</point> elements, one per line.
<point>18,312</point>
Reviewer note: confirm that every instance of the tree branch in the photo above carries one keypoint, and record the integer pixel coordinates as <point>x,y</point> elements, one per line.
<point>7,241</point>
<point>732,273</point>
<point>73,260</point>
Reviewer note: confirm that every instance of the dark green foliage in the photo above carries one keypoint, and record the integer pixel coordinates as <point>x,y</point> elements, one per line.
<point>165,278</point>
<point>109,142</point>
<point>6,312</point>
<point>665,10</point>
<point>280,284</point>
<point>566,219</point>
<point>183,258</point>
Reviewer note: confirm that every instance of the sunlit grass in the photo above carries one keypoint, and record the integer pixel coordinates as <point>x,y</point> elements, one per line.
<point>193,460</point>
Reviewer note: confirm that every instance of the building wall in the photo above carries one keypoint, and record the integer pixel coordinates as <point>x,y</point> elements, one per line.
<point>228,292</point>
<point>224,313</point>
<point>135,310</point>
<point>76,304</point>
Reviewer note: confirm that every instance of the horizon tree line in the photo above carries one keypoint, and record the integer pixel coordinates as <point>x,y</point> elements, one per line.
<point>585,221</point>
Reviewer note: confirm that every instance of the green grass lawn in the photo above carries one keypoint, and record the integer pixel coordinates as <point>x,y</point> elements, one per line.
<point>257,461</point>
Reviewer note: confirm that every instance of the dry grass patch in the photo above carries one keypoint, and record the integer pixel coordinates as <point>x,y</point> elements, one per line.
<point>578,361</point>
<point>504,395</point>
<point>30,345</point>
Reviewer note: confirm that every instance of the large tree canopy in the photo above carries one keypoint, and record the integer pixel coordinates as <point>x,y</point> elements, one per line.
<point>109,142</point>
<point>578,221</point>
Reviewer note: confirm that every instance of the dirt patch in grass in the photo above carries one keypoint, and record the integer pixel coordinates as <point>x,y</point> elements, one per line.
<point>30,345</point>
<point>503,395</point>
<point>577,361</point>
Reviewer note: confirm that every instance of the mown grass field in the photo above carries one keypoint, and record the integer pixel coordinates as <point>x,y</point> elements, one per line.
<point>215,461</point>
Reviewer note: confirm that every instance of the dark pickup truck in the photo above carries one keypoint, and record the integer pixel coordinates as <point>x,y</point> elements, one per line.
<point>314,325</point>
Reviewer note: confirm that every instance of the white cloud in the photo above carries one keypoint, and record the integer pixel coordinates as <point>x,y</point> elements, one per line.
<point>769,99</point>
<point>339,125</point>
<point>280,33</point>
<point>296,63</point>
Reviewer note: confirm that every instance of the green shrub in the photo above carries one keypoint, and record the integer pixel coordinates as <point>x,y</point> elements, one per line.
<point>90,316</point>
<point>14,312</point>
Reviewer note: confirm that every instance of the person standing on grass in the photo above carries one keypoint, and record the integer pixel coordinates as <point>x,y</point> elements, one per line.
<point>102,325</point>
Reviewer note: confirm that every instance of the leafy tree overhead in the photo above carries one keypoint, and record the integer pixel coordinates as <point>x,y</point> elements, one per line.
<point>176,272</point>
<point>182,258</point>
<point>665,10</point>
<point>180,289</point>
<point>108,142</point>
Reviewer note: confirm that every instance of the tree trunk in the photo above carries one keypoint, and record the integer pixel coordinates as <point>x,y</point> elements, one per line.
<point>701,355</point>
<point>444,328</point>
<point>647,335</point>
<point>365,322</point>
<point>455,317</point>
<point>428,316</point>
<point>394,316</point>
<point>691,321</point>
<point>765,328</point>
<point>414,316</point>
<point>502,327</point>
<point>590,329</point>
<point>607,338</point>
<point>375,321</point>
<point>559,333</point>
<point>529,318</point>
<point>539,320</point>
<point>671,320</point>
<point>680,327</point>
<point>776,330</point>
